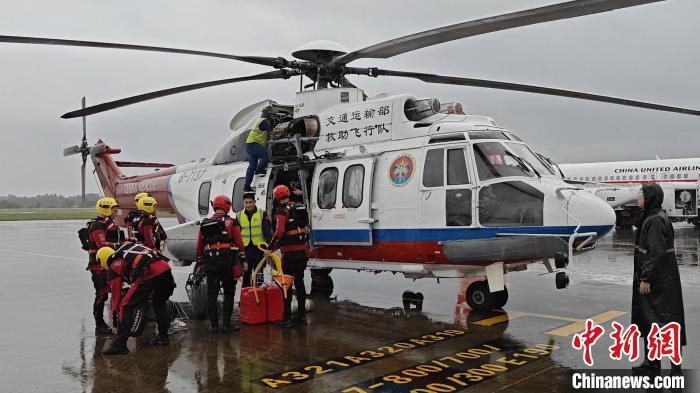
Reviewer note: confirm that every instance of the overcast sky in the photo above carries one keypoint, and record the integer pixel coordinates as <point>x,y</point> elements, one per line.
<point>649,52</point>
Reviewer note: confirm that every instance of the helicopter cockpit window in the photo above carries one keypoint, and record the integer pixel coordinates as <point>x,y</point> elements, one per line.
<point>510,204</point>
<point>493,160</point>
<point>433,169</point>
<point>327,188</point>
<point>487,134</point>
<point>532,159</point>
<point>352,186</point>
<point>456,167</point>
<point>458,207</point>
<point>203,202</point>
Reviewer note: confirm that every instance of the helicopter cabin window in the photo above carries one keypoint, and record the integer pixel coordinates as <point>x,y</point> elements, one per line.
<point>493,160</point>
<point>456,167</point>
<point>433,168</point>
<point>458,207</point>
<point>352,186</point>
<point>204,190</point>
<point>510,204</point>
<point>237,194</point>
<point>327,188</point>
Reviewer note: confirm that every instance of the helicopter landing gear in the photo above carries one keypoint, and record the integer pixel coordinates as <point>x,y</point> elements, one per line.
<point>562,280</point>
<point>414,299</point>
<point>479,298</point>
<point>321,283</point>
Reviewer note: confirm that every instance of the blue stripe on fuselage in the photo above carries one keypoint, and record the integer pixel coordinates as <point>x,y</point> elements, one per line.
<point>443,234</point>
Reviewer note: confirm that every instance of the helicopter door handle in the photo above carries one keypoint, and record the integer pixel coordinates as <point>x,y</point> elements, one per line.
<point>367,220</point>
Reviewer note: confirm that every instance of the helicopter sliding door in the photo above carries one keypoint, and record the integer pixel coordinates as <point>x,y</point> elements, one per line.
<point>446,198</point>
<point>341,202</point>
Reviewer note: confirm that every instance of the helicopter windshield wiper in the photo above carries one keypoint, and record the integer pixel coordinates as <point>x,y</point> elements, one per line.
<point>523,163</point>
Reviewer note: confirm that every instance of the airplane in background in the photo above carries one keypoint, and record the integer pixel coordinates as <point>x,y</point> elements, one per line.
<point>618,183</point>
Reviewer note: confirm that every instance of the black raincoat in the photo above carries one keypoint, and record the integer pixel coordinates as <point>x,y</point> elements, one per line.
<point>655,262</point>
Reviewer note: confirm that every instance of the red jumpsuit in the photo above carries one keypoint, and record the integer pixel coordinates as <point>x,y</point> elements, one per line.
<point>155,282</point>
<point>217,249</point>
<point>102,232</point>
<point>294,247</point>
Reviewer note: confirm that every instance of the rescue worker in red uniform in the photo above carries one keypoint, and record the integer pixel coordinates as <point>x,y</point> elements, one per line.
<point>134,215</point>
<point>146,229</point>
<point>150,278</point>
<point>220,252</point>
<point>101,232</point>
<point>291,235</point>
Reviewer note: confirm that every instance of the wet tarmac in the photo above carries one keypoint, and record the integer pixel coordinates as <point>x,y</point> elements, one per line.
<point>361,340</point>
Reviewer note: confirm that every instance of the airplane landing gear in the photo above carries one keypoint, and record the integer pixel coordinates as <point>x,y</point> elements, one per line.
<point>321,283</point>
<point>479,298</point>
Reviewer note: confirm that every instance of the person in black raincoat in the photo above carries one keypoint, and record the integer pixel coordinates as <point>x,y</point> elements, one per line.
<point>656,287</point>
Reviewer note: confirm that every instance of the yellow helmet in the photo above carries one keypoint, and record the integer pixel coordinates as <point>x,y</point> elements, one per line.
<point>140,195</point>
<point>103,255</point>
<point>147,204</point>
<point>104,206</point>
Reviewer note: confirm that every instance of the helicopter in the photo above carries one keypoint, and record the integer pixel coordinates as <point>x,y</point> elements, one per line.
<point>393,183</point>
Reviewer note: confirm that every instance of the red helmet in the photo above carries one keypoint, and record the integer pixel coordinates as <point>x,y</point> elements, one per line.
<point>280,192</point>
<point>221,202</point>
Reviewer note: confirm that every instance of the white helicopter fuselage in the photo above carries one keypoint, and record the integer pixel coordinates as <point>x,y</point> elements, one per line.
<point>444,196</point>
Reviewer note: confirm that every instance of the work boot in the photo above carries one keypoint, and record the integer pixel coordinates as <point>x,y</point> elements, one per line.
<point>160,340</point>
<point>284,324</point>
<point>261,172</point>
<point>228,328</point>
<point>214,329</point>
<point>300,320</point>
<point>116,350</point>
<point>103,330</point>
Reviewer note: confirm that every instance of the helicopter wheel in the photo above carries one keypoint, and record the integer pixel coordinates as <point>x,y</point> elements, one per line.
<point>500,298</point>
<point>321,283</point>
<point>479,298</point>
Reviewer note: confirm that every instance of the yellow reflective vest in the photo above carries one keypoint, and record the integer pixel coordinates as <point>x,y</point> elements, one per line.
<point>257,135</point>
<point>251,229</point>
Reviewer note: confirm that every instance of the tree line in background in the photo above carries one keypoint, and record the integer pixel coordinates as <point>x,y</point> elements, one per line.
<point>46,201</point>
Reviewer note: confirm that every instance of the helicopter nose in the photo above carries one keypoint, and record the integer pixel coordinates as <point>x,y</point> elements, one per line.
<point>593,213</point>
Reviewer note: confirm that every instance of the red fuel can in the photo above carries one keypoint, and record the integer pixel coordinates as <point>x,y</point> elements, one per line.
<point>275,303</point>
<point>252,310</point>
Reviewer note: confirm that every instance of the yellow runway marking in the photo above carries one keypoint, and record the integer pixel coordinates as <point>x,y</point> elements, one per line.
<point>580,325</point>
<point>575,326</point>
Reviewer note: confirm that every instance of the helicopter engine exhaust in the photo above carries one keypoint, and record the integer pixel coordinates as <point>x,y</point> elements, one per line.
<point>417,110</point>
<point>305,126</point>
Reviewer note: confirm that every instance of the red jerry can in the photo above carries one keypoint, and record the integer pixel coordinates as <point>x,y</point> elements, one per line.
<point>253,307</point>
<point>275,303</point>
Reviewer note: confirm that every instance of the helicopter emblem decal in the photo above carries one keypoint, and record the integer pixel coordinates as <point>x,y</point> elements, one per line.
<point>401,170</point>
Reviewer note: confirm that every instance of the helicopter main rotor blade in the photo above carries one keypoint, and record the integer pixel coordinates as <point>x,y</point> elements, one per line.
<point>457,31</point>
<point>453,80</point>
<point>268,61</point>
<point>90,110</point>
